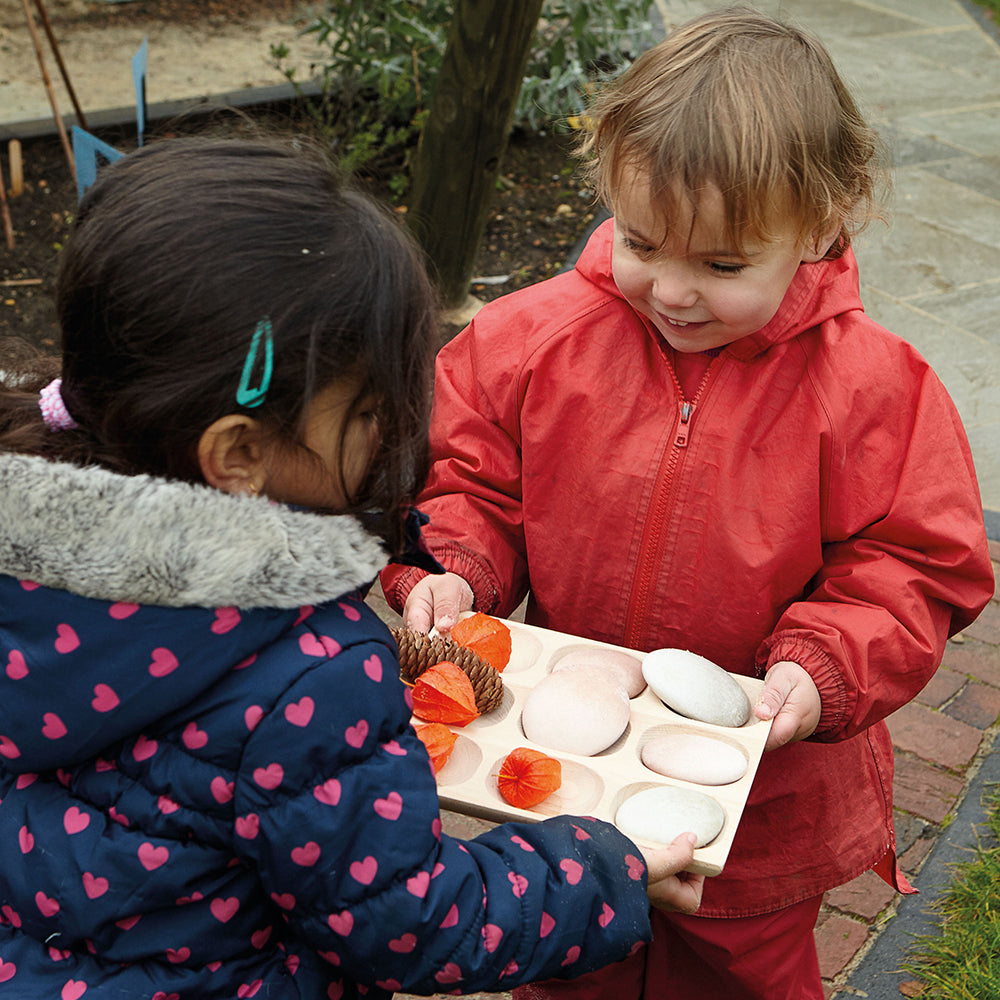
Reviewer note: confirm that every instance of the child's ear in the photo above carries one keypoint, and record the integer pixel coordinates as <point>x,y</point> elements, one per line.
<point>817,248</point>
<point>231,454</point>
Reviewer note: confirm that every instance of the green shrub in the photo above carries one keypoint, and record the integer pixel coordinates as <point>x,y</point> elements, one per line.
<point>380,60</point>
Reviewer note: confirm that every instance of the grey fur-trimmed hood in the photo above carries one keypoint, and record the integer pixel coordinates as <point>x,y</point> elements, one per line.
<point>152,541</point>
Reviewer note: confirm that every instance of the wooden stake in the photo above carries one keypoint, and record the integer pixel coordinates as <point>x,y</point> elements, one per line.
<point>48,89</point>
<point>46,24</point>
<point>8,226</point>
<point>16,169</point>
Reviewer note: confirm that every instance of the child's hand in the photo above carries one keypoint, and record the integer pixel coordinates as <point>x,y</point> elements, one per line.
<point>791,698</point>
<point>669,886</point>
<point>437,600</point>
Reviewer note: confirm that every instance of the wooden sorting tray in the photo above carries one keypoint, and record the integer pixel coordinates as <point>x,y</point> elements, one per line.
<point>591,786</point>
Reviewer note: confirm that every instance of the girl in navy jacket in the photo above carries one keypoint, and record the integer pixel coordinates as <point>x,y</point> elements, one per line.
<point>209,783</point>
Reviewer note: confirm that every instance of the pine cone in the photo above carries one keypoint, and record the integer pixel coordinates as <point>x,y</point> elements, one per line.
<point>417,652</point>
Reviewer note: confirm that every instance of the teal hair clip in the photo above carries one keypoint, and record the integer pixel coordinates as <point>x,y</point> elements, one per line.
<point>253,395</point>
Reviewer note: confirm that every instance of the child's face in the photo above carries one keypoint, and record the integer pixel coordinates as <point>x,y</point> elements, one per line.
<point>294,476</point>
<point>698,290</point>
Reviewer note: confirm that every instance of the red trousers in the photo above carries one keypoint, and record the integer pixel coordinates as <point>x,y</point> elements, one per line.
<point>768,957</point>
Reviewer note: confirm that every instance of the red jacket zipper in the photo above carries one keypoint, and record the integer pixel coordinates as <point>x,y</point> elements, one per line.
<point>650,553</point>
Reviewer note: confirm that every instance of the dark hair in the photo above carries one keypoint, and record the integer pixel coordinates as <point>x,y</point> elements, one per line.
<point>178,252</point>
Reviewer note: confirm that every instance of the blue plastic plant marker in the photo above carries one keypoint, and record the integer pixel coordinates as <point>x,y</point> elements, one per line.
<point>139,79</point>
<point>86,149</point>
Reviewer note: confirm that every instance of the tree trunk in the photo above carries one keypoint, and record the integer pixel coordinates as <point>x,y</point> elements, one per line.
<point>457,164</point>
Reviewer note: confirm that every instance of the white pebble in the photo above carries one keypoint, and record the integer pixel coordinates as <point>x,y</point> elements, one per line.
<point>696,687</point>
<point>658,815</point>
<point>578,711</point>
<point>690,757</point>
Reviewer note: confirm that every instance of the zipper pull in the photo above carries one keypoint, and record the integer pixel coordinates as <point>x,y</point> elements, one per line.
<point>685,410</point>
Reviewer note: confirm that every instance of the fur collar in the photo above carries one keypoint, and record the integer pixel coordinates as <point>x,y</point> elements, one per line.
<point>152,541</point>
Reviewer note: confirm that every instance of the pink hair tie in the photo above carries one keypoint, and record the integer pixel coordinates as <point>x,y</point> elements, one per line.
<point>54,412</point>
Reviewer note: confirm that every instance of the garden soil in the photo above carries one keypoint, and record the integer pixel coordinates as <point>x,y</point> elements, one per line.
<point>540,207</point>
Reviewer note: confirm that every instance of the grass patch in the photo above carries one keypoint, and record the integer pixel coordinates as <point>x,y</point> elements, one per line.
<point>993,6</point>
<point>962,962</point>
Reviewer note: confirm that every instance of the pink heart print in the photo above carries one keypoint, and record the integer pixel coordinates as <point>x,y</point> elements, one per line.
<point>7,971</point>
<point>418,884</point>
<point>364,871</point>
<point>166,805</point>
<point>222,790</point>
<point>607,915</point>
<point>636,867</point>
<point>67,640</point>
<point>8,748</point>
<point>451,973</point>
<point>328,793</point>
<point>307,855</point>
<point>259,938</point>
<point>47,906</point>
<point>492,936</point>
<point>522,843</point>
<point>571,956</point>
<point>74,821</point>
<point>519,884</point>
<point>25,839</point>
<point>404,944</point>
<point>17,669</point>
<point>573,870</point>
<point>284,899</point>
<point>11,914</point>
<point>323,645</point>
<point>226,619</point>
<point>547,924</point>
<point>178,955</point>
<point>224,909</point>
<point>122,609</point>
<point>73,989</point>
<point>94,885</point>
<point>356,735</point>
<point>162,662</point>
<point>54,728</point>
<point>127,923</point>
<point>105,699</point>
<point>252,716</point>
<point>269,777</point>
<point>341,923</point>
<point>59,954</point>
<point>144,748</point>
<point>246,990</point>
<point>351,613</point>
<point>390,807</point>
<point>160,995</point>
<point>299,713</point>
<point>248,826</point>
<point>373,668</point>
<point>450,918</point>
<point>193,737</point>
<point>152,857</point>
<point>393,747</point>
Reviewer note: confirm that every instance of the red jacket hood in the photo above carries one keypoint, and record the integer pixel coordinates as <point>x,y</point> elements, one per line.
<point>816,294</point>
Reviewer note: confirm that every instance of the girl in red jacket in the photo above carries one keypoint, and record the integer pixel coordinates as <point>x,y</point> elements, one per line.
<point>697,439</point>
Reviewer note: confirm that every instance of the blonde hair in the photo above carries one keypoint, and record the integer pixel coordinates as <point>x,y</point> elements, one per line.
<point>755,107</point>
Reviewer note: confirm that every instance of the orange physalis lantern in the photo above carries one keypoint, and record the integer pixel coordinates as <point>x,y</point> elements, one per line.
<point>528,776</point>
<point>440,741</point>
<point>444,693</point>
<point>488,638</point>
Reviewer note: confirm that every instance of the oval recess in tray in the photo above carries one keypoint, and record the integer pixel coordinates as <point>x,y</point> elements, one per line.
<point>579,793</point>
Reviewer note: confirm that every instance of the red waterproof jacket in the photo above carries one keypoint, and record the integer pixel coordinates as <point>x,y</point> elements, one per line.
<point>814,501</point>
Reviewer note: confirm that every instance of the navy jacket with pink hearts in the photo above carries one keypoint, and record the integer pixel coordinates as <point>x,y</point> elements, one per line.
<point>207,797</point>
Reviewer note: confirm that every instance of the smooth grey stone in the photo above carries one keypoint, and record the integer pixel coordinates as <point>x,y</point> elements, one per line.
<point>658,815</point>
<point>690,757</point>
<point>696,687</point>
<point>581,711</point>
